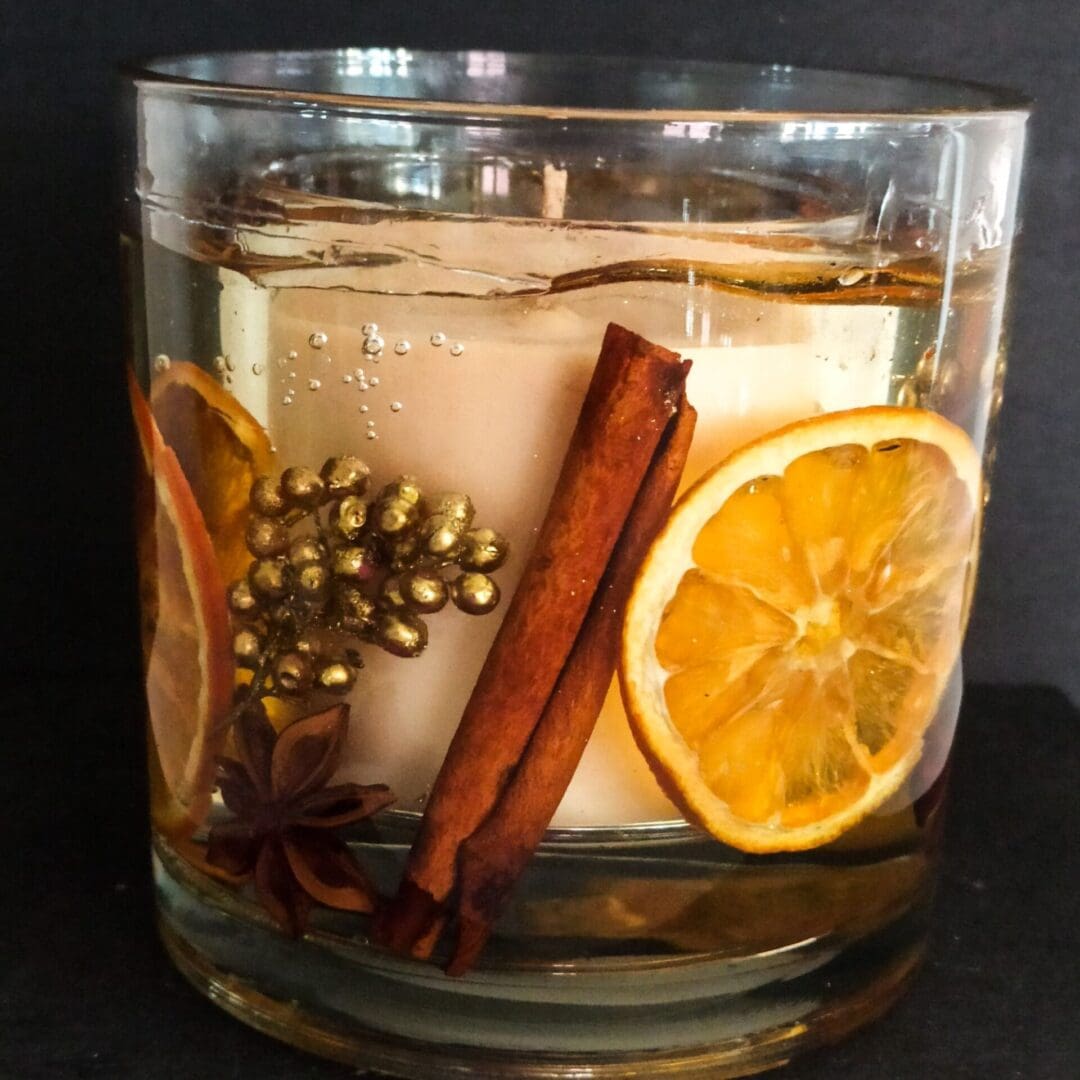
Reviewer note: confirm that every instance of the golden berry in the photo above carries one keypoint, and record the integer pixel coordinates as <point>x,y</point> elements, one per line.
<point>474,593</point>
<point>302,487</point>
<point>483,549</point>
<point>265,536</point>
<point>452,504</point>
<point>336,678</point>
<point>308,644</point>
<point>345,475</point>
<point>424,591</point>
<point>395,516</point>
<point>403,552</point>
<point>241,599</point>
<point>293,673</point>
<point>305,549</point>
<point>440,537</point>
<point>269,578</point>
<point>267,497</point>
<point>312,582</point>
<point>354,561</point>
<point>348,517</point>
<point>248,649</point>
<point>356,612</point>
<point>400,634</point>
<point>390,593</point>
<point>404,487</point>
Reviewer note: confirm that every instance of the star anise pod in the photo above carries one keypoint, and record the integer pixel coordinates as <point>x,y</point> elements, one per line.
<point>281,835</point>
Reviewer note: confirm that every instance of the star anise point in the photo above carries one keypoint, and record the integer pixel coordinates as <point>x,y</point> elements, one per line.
<point>281,836</point>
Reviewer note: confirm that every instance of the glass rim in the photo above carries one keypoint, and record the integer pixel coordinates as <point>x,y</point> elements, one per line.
<point>987,100</point>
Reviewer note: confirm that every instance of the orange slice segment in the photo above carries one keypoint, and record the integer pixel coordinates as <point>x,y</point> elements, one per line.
<point>794,625</point>
<point>221,449</point>
<point>186,637</point>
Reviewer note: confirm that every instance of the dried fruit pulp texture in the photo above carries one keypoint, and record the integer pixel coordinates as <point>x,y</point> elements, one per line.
<point>221,451</point>
<point>845,607</point>
<point>494,420</point>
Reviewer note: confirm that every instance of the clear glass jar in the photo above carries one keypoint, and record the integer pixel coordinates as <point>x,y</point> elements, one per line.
<point>406,533</point>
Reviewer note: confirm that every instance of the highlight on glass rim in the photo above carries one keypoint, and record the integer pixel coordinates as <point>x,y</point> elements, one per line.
<point>558,497</point>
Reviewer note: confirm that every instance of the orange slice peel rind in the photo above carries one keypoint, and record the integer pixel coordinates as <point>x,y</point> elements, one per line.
<point>794,625</point>
<point>186,631</point>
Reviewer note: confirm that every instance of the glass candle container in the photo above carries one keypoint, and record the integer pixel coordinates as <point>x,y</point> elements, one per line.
<point>558,496</point>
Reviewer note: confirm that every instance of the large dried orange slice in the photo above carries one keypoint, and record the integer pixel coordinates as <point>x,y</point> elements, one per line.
<point>186,637</point>
<point>793,626</point>
<point>221,449</point>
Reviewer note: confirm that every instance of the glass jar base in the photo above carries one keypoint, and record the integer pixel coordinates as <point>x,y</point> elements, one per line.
<point>698,1017</point>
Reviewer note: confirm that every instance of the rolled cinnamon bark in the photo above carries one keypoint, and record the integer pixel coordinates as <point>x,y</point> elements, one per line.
<point>494,857</point>
<point>634,391</point>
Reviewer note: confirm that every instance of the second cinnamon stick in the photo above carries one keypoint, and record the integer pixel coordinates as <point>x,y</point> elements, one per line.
<point>632,395</point>
<point>494,857</point>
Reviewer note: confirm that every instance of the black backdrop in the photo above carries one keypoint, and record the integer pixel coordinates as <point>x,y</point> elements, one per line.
<point>83,986</point>
<point>67,582</point>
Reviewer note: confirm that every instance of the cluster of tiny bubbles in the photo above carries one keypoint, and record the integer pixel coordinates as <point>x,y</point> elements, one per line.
<point>317,339</point>
<point>161,362</point>
<point>402,347</point>
<point>373,343</point>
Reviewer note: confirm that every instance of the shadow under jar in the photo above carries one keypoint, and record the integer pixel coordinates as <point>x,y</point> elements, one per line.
<point>437,677</point>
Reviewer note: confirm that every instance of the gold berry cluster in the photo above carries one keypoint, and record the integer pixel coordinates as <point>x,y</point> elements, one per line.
<point>334,568</point>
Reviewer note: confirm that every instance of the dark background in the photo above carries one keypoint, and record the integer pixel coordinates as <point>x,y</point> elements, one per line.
<point>84,997</point>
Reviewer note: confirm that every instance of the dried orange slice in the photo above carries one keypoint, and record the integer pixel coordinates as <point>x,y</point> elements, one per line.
<point>793,626</point>
<point>221,448</point>
<point>186,637</point>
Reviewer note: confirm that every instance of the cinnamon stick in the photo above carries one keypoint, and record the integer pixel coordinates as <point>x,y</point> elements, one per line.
<point>633,393</point>
<point>494,857</point>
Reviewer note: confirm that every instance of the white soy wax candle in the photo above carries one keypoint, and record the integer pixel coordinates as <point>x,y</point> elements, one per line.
<point>480,395</point>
